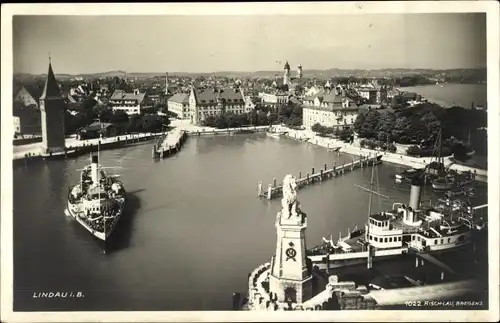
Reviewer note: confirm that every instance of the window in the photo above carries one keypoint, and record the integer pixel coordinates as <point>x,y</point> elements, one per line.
<point>435,241</point>
<point>441,242</point>
<point>400,238</point>
<point>376,239</point>
<point>385,239</point>
<point>449,239</point>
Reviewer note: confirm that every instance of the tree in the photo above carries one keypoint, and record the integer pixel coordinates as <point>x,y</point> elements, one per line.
<point>252,118</point>
<point>262,118</point>
<point>317,127</point>
<point>368,128</point>
<point>231,120</point>
<point>385,125</point>
<point>272,117</point>
<point>431,124</point>
<point>220,122</point>
<point>358,123</point>
<point>133,123</point>
<point>400,130</point>
<point>209,121</point>
<point>119,116</point>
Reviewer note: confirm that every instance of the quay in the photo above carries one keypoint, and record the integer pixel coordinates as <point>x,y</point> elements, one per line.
<point>24,154</point>
<point>198,131</point>
<point>169,144</point>
<point>274,190</point>
<point>481,175</point>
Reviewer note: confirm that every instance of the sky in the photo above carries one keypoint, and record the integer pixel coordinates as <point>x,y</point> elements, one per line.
<point>158,44</point>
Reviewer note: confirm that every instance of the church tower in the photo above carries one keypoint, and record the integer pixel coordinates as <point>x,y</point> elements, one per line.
<point>286,76</point>
<point>193,106</point>
<point>290,279</point>
<point>52,108</point>
<point>299,71</point>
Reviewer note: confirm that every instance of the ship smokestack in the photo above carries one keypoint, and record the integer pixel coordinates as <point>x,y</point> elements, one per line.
<point>93,167</point>
<point>416,193</point>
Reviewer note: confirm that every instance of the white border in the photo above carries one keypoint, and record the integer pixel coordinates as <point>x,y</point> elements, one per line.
<point>492,9</point>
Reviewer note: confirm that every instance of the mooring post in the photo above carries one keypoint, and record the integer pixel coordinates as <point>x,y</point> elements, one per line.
<point>312,173</point>
<point>259,189</point>
<point>269,192</point>
<point>274,182</point>
<point>321,176</point>
<point>307,178</point>
<point>300,175</point>
<point>325,167</point>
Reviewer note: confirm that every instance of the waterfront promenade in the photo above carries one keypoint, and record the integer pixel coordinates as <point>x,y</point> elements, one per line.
<point>34,149</point>
<point>417,162</point>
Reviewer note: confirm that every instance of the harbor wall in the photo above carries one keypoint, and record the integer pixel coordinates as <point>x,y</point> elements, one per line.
<point>75,148</point>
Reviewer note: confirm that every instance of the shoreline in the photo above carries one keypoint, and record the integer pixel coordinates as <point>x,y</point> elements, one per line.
<point>393,158</point>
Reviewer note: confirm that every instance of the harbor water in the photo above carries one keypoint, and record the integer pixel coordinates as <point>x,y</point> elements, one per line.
<point>448,95</point>
<point>194,226</point>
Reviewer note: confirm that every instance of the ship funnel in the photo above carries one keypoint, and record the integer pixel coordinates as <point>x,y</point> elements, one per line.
<point>93,167</point>
<point>416,193</point>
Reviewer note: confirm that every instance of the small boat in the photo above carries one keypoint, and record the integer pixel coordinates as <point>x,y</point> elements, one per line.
<point>409,174</point>
<point>274,135</point>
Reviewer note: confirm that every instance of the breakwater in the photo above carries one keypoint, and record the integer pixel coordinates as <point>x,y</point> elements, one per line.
<point>273,190</point>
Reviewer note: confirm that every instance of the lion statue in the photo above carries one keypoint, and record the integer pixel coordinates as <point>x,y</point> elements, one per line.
<point>289,202</point>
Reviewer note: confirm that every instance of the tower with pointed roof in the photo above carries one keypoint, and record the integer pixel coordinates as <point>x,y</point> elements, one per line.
<point>52,109</point>
<point>286,76</point>
<point>299,71</point>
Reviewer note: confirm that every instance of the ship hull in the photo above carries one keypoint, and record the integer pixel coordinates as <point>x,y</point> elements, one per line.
<point>101,236</point>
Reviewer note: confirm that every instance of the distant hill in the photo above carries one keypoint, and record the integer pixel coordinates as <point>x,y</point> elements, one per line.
<point>319,74</point>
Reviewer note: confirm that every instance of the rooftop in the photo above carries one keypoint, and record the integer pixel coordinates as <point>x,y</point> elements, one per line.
<point>180,98</point>
<point>122,95</point>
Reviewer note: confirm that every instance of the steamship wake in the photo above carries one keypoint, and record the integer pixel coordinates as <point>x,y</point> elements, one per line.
<point>98,201</point>
<point>440,228</point>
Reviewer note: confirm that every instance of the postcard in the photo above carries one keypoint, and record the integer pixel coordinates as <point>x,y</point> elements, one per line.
<point>250,161</point>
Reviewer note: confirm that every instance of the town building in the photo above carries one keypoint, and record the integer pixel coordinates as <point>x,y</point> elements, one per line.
<point>97,130</point>
<point>52,107</point>
<point>130,103</point>
<point>368,93</point>
<point>27,120</point>
<point>273,98</point>
<point>179,104</point>
<point>214,101</point>
<point>28,96</point>
<point>330,109</point>
<point>281,93</point>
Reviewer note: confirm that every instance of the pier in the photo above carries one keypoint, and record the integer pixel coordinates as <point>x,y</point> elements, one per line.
<point>273,190</point>
<point>169,144</point>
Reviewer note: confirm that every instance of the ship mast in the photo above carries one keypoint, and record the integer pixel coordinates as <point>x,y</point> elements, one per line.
<point>369,249</point>
<point>370,190</point>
